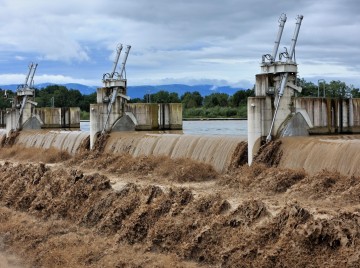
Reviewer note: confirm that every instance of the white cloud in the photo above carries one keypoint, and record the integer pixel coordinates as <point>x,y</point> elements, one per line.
<point>6,79</point>
<point>21,58</point>
<point>180,40</point>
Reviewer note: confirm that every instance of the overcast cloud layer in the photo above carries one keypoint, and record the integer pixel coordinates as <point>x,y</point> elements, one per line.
<point>191,42</point>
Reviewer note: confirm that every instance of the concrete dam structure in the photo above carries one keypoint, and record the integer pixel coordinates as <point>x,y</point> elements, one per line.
<point>277,111</point>
<point>112,113</point>
<point>25,115</point>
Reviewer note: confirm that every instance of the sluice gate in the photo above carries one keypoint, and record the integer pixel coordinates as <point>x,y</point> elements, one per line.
<point>277,111</point>
<point>25,115</point>
<point>274,89</point>
<point>112,112</point>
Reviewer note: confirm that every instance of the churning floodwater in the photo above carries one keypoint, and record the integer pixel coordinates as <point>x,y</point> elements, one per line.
<point>209,141</point>
<point>203,127</point>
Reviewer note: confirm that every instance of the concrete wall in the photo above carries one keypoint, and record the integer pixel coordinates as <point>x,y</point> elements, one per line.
<point>66,117</point>
<point>2,118</point>
<point>175,110</point>
<point>11,119</point>
<point>123,116</point>
<point>13,114</point>
<point>146,114</point>
<point>261,109</point>
<point>256,124</point>
<point>331,115</point>
<point>46,117</point>
<point>170,116</point>
<point>153,116</point>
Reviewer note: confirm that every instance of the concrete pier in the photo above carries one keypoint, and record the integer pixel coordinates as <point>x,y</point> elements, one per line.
<point>261,108</point>
<point>2,118</point>
<point>42,118</point>
<point>145,114</point>
<point>156,116</point>
<point>123,116</point>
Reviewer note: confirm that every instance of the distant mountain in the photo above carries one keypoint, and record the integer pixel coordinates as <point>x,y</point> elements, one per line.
<point>140,91</point>
<point>9,87</point>
<point>85,90</point>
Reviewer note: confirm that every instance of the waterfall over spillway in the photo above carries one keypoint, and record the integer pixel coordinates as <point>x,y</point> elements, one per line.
<point>214,150</point>
<point>63,140</point>
<point>315,153</point>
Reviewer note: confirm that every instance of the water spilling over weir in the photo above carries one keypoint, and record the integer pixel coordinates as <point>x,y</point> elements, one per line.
<point>316,153</point>
<point>68,141</point>
<point>313,154</point>
<point>214,150</point>
<point>217,151</point>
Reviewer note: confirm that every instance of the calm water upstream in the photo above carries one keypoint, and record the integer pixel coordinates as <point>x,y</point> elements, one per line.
<point>204,127</point>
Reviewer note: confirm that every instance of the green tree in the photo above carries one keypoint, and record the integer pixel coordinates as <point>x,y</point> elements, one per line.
<point>61,97</point>
<point>86,100</point>
<point>216,99</point>
<point>74,98</point>
<point>338,89</point>
<point>308,88</point>
<point>136,100</point>
<point>240,97</point>
<point>192,99</point>
<point>5,99</point>
<point>163,97</point>
<point>355,92</point>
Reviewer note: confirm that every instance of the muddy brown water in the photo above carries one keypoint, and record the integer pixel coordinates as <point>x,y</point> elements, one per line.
<point>316,153</point>
<point>213,150</point>
<point>313,154</point>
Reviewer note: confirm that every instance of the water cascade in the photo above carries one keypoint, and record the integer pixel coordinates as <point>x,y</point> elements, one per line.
<point>68,141</point>
<point>214,150</point>
<point>316,153</point>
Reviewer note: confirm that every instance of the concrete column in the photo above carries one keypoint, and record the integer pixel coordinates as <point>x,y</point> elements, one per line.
<point>351,113</point>
<point>146,114</point>
<point>96,122</point>
<point>163,116</point>
<point>175,116</point>
<point>255,110</point>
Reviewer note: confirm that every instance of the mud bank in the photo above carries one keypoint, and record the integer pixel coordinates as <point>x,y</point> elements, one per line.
<point>101,210</point>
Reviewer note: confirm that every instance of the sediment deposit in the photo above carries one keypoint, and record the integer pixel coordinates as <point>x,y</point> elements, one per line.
<point>96,209</point>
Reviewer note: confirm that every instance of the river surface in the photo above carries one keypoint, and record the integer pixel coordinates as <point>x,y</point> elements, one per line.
<point>203,127</point>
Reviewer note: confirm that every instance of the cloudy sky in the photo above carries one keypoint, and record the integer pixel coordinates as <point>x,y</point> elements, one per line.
<point>187,41</point>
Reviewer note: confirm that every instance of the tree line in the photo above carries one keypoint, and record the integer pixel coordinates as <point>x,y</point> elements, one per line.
<point>333,89</point>
<point>53,95</point>
<point>194,104</point>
